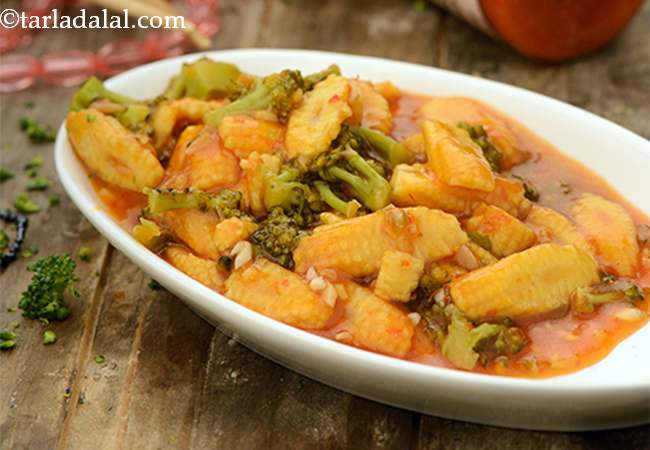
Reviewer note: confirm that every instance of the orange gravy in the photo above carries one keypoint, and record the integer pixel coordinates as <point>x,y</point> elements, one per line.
<point>557,346</point>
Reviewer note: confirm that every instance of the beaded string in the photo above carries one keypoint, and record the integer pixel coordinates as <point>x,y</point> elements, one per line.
<point>19,71</point>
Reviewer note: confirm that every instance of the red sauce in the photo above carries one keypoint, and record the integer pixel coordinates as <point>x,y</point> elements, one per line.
<point>558,346</point>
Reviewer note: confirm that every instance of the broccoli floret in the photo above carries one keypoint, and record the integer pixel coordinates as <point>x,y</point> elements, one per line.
<point>36,132</point>
<point>287,190</point>
<point>25,205</point>
<point>277,237</point>
<point>5,174</point>
<point>278,92</point>
<point>364,182</point>
<point>586,299</point>
<point>38,184</point>
<point>387,148</point>
<point>491,340</point>
<point>429,282</point>
<point>131,113</point>
<point>464,345</point>
<point>93,89</point>
<point>204,78</point>
<point>226,203</point>
<point>44,297</point>
<point>481,138</point>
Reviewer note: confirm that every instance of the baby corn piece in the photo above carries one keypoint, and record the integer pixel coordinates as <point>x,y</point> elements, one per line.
<point>168,113</point>
<point>552,226</point>
<point>230,231</point>
<point>254,170</point>
<point>369,108</point>
<point>112,152</point>
<point>375,324</point>
<point>507,234</point>
<point>436,234</point>
<point>196,229</point>
<point>399,275</point>
<point>202,164</point>
<point>457,109</point>
<point>278,293</point>
<point>454,157</point>
<point>315,124</point>
<point>244,135</point>
<point>524,285</point>
<point>202,270</point>
<point>416,184</point>
<point>610,231</point>
<point>356,246</point>
<point>508,194</point>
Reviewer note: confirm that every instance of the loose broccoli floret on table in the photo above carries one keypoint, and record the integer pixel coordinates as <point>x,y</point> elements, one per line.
<point>37,132</point>
<point>44,297</point>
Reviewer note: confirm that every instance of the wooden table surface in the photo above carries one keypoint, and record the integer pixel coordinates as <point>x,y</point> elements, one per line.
<point>170,380</point>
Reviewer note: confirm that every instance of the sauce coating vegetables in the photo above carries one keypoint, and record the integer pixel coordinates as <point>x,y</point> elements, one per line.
<point>431,229</point>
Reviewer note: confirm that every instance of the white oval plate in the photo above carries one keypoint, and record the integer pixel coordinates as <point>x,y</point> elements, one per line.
<point>613,393</point>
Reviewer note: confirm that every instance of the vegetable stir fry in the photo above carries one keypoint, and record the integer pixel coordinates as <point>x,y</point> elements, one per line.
<point>430,229</point>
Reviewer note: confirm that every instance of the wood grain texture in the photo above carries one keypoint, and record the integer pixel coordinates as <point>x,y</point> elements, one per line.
<point>170,380</point>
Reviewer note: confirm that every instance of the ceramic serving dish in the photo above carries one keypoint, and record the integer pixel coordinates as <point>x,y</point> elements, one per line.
<point>612,393</point>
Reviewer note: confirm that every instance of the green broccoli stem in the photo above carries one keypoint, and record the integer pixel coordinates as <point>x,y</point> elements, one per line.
<point>226,203</point>
<point>347,209</point>
<point>370,188</point>
<point>311,80</point>
<point>160,201</point>
<point>585,300</point>
<point>278,92</point>
<point>93,89</point>
<point>388,148</point>
<point>258,100</point>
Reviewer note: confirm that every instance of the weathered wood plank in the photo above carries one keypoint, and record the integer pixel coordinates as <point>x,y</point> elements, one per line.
<point>615,82</point>
<point>33,398</point>
<point>155,351</point>
<point>390,29</point>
